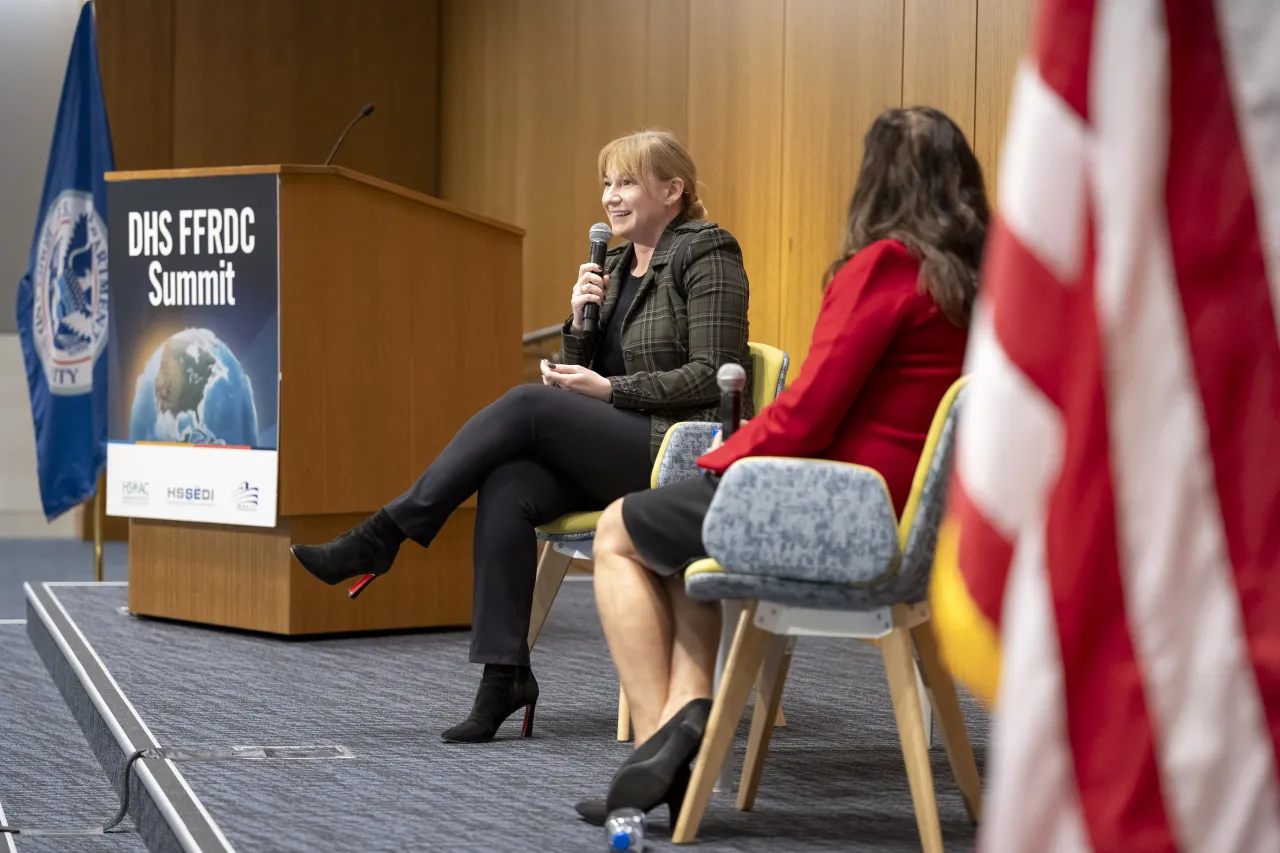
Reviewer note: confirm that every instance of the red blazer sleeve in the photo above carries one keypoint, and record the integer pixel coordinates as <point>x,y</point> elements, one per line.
<point>861,311</point>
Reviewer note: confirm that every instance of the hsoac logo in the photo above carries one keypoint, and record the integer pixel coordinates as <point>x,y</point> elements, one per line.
<point>135,492</point>
<point>69,317</point>
<point>246,497</point>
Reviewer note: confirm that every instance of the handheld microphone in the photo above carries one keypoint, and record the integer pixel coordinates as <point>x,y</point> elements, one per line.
<point>364,112</point>
<point>600,235</point>
<point>732,379</point>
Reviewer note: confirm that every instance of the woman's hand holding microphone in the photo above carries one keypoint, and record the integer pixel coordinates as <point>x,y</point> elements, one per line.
<point>717,440</point>
<point>589,288</point>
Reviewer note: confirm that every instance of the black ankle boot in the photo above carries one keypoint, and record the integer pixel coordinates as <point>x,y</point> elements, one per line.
<point>503,691</point>
<point>367,549</point>
<point>596,812</point>
<point>650,774</point>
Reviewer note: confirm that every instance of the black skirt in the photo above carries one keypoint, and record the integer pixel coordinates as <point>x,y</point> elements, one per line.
<point>665,524</point>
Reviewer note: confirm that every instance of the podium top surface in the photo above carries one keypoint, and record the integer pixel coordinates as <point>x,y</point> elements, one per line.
<point>335,171</point>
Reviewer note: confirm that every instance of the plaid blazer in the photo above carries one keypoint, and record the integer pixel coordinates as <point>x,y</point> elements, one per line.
<point>674,339</point>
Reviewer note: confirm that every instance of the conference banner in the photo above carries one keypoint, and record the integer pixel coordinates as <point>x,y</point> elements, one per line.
<point>194,349</point>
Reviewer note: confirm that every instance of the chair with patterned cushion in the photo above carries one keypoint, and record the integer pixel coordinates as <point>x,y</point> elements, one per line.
<point>814,548</point>
<point>570,536</point>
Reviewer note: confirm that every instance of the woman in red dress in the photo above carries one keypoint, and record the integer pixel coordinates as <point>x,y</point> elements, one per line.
<point>888,343</point>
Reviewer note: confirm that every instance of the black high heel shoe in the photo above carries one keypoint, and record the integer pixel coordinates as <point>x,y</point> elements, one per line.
<point>503,691</point>
<point>368,549</point>
<point>644,781</point>
<point>596,812</point>
<point>671,750</point>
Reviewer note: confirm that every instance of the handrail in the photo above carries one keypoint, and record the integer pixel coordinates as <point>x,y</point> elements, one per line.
<point>539,335</point>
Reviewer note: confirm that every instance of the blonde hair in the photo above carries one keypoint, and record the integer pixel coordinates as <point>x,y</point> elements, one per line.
<point>647,154</point>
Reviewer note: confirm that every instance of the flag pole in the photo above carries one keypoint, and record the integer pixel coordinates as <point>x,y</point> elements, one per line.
<point>97,537</point>
<point>97,493</point>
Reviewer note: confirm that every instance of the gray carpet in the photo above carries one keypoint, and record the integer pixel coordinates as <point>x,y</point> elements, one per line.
<point>48,776</point>
<point>834,781</point>
<point>29,560</point>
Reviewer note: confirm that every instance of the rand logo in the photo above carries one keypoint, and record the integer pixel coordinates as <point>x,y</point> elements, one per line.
<point>246,497</point>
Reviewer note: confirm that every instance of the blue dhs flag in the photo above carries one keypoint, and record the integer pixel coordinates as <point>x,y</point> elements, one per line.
<point>63,298</point>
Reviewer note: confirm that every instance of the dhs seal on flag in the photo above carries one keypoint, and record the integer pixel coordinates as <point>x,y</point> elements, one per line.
<point>69,315</point>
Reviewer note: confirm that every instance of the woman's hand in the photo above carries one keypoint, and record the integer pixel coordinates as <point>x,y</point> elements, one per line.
<point>579,380</point>
<point>589,288</point>
<point>717,440</point>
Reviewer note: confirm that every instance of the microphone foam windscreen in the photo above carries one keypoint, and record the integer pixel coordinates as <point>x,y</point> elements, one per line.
<point>731,377</point>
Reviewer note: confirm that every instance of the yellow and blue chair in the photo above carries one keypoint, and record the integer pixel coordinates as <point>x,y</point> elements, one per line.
<point>570,537</point>
<point>822,553</point>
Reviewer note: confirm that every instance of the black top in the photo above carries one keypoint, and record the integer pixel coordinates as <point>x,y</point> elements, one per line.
<point>609,360</point>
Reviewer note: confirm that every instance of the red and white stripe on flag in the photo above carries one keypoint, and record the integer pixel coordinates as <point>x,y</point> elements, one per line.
<point>1109,570</point>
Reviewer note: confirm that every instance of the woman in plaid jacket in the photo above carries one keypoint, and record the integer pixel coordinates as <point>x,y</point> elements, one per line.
<point>673,309</point>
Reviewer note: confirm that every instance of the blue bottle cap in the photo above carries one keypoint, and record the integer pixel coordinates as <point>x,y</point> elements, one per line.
<point>622,840</point>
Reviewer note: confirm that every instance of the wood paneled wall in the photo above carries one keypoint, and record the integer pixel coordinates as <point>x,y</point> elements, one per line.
<point>525,107</point>
<point>735,84</point>
<point>1003,31</point>
<point>939,43</point>
<point>235,82</point>
<point>772,97</point>
<point>135,56</point>
<point>843,68</point>
<point>502,105</point>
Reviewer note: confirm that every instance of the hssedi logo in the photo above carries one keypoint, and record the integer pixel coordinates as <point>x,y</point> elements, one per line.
<point>189,495</point>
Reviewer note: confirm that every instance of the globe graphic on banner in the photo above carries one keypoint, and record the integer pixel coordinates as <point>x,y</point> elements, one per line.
<point>193,390</point>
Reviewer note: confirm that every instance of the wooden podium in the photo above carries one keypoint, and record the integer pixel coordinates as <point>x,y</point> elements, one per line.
<point>400,318</point>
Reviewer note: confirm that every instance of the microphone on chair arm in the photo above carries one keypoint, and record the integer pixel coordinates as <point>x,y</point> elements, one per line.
<point>732,379</point>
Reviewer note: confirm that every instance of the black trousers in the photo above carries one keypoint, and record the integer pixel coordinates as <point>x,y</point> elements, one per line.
<point>533,455</point>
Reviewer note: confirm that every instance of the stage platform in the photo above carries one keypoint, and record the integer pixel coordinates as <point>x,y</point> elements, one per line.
<point>48,776</point>
<point>835,778</point>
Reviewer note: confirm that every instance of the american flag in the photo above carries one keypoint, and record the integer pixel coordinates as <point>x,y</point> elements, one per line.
<point>1109,570</point>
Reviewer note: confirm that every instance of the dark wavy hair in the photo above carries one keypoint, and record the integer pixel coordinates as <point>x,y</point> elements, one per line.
<point>921,185</point>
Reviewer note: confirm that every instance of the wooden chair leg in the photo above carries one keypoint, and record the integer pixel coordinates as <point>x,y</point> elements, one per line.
<point>749,646</point>
<point>899,666</point>
<point>926,707</point>
<point>773,675</point>
<point>955,738</point>
<point>780,721</point>
<point>552,567</point>
<point>731,615</point>
<point>624,715</point>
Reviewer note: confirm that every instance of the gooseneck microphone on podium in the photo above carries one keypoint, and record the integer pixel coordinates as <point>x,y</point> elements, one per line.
<point>364,113</point>
<point>732,379</point>
<point>600,235</point>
